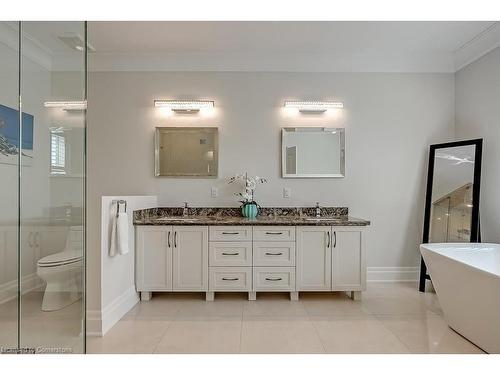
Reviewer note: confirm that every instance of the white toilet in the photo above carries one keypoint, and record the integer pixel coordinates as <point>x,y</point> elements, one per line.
<point>62,272</point>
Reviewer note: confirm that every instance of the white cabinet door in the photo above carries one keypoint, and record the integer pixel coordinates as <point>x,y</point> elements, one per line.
<point>348,270</point>
<point>154,258</point>
<point>314,258</point>
<point>190,258</point>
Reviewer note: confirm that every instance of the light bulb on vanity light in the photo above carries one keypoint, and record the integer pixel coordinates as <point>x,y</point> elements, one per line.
<point>67,105</point>
<point>185,106</point>
<point>312,106</point>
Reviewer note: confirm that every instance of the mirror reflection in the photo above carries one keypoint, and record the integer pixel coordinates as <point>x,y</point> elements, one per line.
<point>451,209</point>
<point>313,152</point>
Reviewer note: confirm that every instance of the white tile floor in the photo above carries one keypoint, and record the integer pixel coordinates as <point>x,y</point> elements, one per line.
<point>391,318</point>
<point>39,329</point>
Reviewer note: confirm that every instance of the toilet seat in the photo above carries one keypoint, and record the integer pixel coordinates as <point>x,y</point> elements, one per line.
<point>61,258</point>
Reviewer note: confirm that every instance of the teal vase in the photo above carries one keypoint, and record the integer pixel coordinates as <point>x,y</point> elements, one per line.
<point>249,210</point>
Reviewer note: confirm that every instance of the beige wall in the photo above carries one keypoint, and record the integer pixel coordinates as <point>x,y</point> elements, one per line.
<point>390,120</point>
<point>478,116</point>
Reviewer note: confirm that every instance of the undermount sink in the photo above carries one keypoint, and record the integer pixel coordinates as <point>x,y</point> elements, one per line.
<point>177,218</point>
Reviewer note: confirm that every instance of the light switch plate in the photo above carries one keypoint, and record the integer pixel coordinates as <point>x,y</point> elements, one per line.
<point>287,192</point>
<point>214,192</point>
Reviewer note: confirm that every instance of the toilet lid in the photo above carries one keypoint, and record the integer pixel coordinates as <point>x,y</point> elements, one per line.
<point>61,257</point>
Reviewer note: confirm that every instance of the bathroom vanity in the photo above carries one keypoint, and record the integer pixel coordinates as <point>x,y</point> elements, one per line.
<point>216,250</point>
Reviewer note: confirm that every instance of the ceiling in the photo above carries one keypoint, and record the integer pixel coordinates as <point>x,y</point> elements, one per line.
<point>276,46</point>
<point>282,37</point>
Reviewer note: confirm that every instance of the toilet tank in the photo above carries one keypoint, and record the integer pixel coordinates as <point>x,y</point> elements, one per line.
<point>74,241</point>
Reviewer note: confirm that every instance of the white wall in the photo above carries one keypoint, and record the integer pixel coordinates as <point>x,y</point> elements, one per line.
<point>118,294</point>
<point>478,116</point>
<point>390,120</point>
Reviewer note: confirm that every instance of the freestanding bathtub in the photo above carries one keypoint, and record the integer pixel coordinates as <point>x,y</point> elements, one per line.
<point>466,277</point>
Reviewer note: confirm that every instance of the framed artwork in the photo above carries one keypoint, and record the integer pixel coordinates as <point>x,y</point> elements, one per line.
<point>9,137</point>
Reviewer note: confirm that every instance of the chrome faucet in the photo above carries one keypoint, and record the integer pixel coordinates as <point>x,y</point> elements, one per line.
<point>185,209</point>
<point>318,210</point>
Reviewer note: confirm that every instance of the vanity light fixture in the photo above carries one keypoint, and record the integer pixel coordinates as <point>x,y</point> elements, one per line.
<point>77,105</point>
<point>313,106</point>
<point>185,106</point>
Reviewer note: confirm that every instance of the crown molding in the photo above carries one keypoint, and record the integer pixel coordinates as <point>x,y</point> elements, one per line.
<point>478,46</point>
<point>273,62</point>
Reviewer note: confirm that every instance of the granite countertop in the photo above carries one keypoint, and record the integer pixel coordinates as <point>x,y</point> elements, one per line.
<point>336,216</point>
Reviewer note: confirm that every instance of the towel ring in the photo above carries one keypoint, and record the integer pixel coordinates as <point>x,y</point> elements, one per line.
<point>118,203</point>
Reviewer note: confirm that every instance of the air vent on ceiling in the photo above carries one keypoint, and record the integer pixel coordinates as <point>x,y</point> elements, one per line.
<point>75,42</point>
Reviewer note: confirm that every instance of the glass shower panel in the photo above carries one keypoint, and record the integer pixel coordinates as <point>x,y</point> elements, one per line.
<point>9,177</point>
<point>52,261</point>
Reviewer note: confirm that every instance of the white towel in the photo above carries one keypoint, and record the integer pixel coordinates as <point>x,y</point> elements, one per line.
<point>119,234</point>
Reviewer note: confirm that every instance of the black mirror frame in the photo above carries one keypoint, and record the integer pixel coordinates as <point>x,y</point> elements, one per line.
<point>475,235</point>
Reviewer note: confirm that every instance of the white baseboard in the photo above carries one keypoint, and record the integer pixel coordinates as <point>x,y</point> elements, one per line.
<point>100,322</point>
<point>392,274</point>
<point>8,290</point>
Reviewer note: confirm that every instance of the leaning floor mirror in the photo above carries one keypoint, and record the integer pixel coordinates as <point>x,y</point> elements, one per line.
<point>452,198</point>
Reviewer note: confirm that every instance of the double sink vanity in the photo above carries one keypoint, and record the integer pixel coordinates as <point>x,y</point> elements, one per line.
<point>282,250</point>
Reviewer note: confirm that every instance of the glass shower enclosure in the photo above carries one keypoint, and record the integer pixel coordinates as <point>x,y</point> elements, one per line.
<point>43,75</point>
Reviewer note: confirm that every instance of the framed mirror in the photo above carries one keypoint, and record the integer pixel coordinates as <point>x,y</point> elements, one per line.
<point>312,152</point>
<point>452,198</point>
<point>186,152</point>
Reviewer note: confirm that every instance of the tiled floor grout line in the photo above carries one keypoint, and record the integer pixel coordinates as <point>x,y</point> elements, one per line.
<point>395,335</point>
<point>241,328</point>
<point>323,345</point>
<point>162,336</point>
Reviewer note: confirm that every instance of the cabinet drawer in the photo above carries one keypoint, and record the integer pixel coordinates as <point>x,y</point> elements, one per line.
<point>280,254</point>
<point>274,278</point>
<point>274,233</point>
<point>236,254</point>
<point>230,233</point>
<point>226,279</point>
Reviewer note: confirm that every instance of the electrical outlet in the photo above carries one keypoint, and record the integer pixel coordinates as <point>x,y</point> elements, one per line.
<point>287,192</point>
<point>214,192</point>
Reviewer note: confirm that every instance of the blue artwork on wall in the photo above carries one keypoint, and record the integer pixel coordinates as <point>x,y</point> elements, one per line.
<point>9,136</point>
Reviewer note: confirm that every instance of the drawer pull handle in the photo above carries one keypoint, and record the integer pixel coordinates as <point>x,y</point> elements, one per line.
<point>274,253</point>
<point>274,232</point>
<point>274,278</point>
<point>230,278</point>
<point>230,253</point>
<point>230,232</point>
